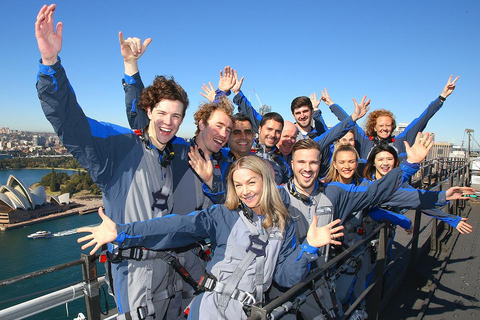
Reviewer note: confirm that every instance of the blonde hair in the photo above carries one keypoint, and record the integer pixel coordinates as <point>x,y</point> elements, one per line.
<point>333,174</point>
<point>271,204</point>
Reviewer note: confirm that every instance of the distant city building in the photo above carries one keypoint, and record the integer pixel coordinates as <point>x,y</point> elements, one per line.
<point>39,141</point>
<point>400,128</point>
<point>440,150</point>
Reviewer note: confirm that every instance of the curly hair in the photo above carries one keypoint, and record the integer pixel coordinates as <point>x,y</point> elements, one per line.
<point>206,110</point>
<point>271,203</point>
<point>163,88</point>
<point>371,121</point>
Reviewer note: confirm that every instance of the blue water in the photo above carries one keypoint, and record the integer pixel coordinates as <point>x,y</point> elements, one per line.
<point>21,255</point>
<point>28,176</point>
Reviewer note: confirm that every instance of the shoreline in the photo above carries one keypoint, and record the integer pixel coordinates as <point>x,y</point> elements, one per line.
<point>86,207</point>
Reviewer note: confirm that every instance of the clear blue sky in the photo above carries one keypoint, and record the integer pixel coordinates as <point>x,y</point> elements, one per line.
<point>399,53</point>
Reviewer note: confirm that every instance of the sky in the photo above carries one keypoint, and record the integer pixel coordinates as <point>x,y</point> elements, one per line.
<point>399,53</point>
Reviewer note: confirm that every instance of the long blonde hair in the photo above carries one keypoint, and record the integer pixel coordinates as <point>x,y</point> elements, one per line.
<point>271,204</point>
<point>333,174</point>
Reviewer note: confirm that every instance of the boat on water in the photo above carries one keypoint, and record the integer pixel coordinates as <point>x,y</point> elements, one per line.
<point>40,234</point>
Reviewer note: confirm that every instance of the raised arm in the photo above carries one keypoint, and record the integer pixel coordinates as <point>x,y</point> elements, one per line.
<point>132,49</point>
<point>84,137</point>
<point>421,122</point>
<point>320,125</point>
<point>338,131</point>
<point>245,107</point>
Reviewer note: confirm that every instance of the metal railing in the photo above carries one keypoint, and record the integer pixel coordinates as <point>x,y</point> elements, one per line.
<point>434,175</point>
<point>88,289</point>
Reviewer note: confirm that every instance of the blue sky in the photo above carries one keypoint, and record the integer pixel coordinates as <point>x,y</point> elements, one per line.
<point>399,53</point>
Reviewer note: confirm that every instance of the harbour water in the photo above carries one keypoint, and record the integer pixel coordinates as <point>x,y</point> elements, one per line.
<point>28,176</point>
<point>21,255</point>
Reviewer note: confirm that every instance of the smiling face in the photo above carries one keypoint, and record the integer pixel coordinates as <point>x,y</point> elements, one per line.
<point>249,188</point>
<point>165,120</point>
<point>345,164</point>
<point>269,134</point>
<point>305,167</point>
<point>303,117</point>
<point>384,162</point>
<point>241,139</point>
<point>383,126</point>
<point>215,133</point>
<point>288,138</point>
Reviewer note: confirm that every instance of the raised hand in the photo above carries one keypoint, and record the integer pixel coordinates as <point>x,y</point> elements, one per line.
<point>104,233</point>
<point>208,93</point>
<point>326,98</point>
<point>227,79</point>
<point>238,83</point>
<point>360,109</point>
<point>315,102</point>
<point>321,236</point>
<point>49,42</point>
<point>463,227</point>
<point>455,193</point>
<point>421,147</point>
<point>449,87</point>
<point>203,167</point>
<point>132,49</point>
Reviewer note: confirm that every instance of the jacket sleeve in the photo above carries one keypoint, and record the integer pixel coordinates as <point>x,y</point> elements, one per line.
<point>95,145</point>
<point>411,198</point>
<point>335,133</point>
<point>293,262</point>
<point>170,231</point>
<point>416,126</point>
<point>378,214</point>
<point>320,125</point>
<point>450,219</point>
<point>245,107</point>
<point>133,86</point>
<point>349,198</point>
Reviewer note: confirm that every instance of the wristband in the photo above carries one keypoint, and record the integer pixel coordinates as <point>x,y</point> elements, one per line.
<point>442,98</point>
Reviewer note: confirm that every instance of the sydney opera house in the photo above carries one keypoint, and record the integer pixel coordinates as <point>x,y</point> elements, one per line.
<point>18,203</point>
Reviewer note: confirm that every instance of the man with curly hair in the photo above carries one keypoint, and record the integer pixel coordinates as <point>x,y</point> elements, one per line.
<point>133,172</point>
<point>198,164</point>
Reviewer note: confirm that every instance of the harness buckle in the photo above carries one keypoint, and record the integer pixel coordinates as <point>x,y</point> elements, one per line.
<point>257,245</point>
<point>248,299</point>
<point>207,282</point>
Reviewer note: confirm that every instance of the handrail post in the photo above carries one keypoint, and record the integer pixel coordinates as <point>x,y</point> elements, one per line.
<point>376,293</point>
<point>91,290</point>
<point>416,233</point>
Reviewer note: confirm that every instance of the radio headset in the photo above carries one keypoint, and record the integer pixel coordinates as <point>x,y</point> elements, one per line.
<point>166,155</point>
<point>291,188</point>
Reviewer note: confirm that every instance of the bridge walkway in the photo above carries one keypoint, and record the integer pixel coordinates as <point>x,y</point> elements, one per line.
<point>446,284</point>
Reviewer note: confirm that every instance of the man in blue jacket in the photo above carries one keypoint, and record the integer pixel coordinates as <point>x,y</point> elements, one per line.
<point>133,172</point>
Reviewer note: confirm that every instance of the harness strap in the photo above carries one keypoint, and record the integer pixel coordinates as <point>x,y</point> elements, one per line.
<point>228,289</point>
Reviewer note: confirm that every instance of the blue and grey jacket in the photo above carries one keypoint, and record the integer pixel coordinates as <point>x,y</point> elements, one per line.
<point>135,186</point>
<point>285,262</point>
<point>365,144</point>
<point>185,179</point>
